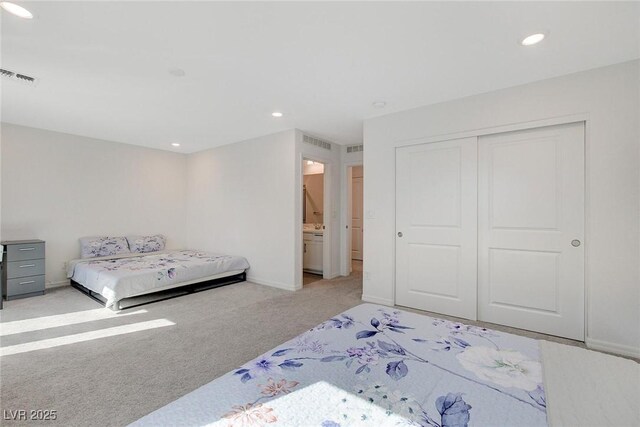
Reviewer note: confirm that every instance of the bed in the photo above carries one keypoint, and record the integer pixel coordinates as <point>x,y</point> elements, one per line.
<point>376,366</point>
<point>117,279</point>
<point>379,366</point>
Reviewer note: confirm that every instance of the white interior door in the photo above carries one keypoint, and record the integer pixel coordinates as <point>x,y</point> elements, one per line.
<point>356,213</point>
<point>436,226</point>
<point>531,230</point>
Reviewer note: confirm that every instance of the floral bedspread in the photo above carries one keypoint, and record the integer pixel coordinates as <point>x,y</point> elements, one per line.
<point>124,276</point>
<point>376,366</point>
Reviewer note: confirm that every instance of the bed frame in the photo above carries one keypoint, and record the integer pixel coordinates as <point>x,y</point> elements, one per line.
<point>162,295</point>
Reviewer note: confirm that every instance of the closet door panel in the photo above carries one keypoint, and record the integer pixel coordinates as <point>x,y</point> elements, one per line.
<point>436,226</point>
<point>531,230</point>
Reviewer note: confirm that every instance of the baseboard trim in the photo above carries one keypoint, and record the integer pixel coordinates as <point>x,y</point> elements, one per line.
<point>376,300</point>
<point>271,283</point>
<point>609,347</point>
<point>58,284</point>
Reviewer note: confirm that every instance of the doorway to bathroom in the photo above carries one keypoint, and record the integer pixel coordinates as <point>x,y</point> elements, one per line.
<point>313,225</point>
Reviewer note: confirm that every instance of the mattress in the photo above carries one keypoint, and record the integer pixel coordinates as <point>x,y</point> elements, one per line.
<point>125,276</point>
<point>376,366</point>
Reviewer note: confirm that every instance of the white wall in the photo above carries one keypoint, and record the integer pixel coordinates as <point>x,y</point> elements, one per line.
<point>608,98</point>
<point>241,201</point>
<point>242,198</point>
<point>59,187</point>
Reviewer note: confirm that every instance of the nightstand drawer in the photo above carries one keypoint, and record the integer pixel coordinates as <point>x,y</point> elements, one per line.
<point>25,285</point>
<point>31,267</point>
<point>25,251</point>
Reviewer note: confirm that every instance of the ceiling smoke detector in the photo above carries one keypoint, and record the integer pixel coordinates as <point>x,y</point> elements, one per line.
<point>18,77</point>
<point>177,72</point>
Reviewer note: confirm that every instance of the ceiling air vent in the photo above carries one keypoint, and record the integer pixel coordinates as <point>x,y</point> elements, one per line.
<point>355,148</point>
<point>317,142</point>
<point>17,77</point>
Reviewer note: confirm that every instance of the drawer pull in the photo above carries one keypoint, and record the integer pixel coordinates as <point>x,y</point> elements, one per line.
<point>27,249</point>
<point>26,266</point>
<point>26,283</point>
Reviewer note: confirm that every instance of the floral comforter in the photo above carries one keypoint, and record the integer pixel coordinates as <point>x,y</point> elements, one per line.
<point>124,276</point>
<point>376,366</point>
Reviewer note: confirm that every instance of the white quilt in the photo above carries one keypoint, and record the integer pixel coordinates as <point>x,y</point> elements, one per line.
<point>128,275</point>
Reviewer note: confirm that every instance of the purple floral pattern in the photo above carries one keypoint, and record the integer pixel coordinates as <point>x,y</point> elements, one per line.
<point>167,267</point>
<point>498,370</point>
<point>378,366</point>
<point>146,244</point>
<point>92,247</point>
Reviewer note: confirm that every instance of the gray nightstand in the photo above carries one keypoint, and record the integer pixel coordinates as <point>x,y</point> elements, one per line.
<point>23,268</point>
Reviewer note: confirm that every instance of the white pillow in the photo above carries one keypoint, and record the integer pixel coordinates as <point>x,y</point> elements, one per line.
<point>91,247</point>
<point>143,244</point>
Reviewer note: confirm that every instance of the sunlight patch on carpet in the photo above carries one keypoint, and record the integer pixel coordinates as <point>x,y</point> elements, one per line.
<point>48,322</point>
<point>85,336</point>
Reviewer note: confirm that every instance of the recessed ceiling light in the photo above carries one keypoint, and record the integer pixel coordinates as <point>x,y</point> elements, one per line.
<point>532,39</point>
<point>379,104</point>
<point>309,162</point>
<point>175,144</point>
<point>177,72</point>
<point>16,10</point>
<point>276,114</point>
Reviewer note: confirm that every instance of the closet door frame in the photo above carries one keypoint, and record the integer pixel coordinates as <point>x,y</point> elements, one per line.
<point>490,130</point>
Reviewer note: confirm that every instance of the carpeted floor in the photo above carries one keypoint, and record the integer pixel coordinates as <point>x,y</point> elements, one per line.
<point>63,352</point>
<point>117,379</point>
<point>308,278</point>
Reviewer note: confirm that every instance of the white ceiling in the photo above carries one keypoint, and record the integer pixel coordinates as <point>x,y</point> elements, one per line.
<point>103,67</point>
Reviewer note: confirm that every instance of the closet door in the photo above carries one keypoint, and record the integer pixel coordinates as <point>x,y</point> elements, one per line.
<point>436,227</point>
<point>531,230</point>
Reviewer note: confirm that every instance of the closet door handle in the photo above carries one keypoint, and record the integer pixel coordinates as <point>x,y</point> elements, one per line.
<point>399,233</point>
<point>575,243</point>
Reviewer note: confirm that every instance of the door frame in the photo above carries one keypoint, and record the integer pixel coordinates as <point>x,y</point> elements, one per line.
<point>346,196</point>
<point>549,121</point>
<point>350,219</point>
<point>326,208</point>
